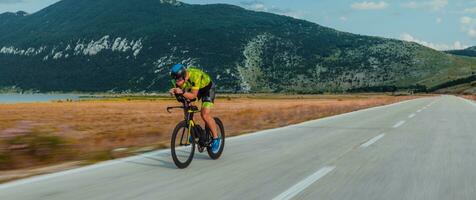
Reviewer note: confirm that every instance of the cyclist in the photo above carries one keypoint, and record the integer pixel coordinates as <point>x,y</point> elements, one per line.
<point>194,83</point>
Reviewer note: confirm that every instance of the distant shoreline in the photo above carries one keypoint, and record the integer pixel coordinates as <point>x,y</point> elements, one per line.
<point>77,96</point>
<point>9,98</point>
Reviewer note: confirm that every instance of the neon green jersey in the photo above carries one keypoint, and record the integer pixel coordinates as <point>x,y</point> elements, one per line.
<point>198,79</point>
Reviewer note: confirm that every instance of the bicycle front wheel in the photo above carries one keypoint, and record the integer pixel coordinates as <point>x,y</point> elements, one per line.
<point>181,147</point>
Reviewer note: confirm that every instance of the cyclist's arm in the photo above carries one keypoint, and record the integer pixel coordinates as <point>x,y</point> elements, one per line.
<point>191,95</point>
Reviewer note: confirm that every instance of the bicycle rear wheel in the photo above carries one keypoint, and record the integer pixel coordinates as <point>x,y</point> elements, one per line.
<point>182,149</point>
<point>221,135</point>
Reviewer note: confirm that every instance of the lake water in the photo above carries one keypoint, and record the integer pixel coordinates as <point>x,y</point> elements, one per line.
<point>24,98</point>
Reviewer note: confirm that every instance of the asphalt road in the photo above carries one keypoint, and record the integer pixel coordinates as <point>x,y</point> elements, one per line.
<point>418,149</point>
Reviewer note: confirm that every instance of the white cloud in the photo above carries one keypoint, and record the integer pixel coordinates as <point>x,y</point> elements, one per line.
<point>438,4</point>
<point>459,45</point>
<point>343,18</point>
<point>260,6</point>
<point>411,4</point>
<point>254,5</point>
<point>434,5</point>
<point>470,10</point>
<point>439,20</point>
<point>455,45</point>
<point>467,20</point>
<point>468,25</point>
<point>369,5</point>
<point>471,32</point>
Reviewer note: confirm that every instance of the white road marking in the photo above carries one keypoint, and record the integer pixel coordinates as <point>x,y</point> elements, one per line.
<point>373,140</point>
<point>473,103</point>
<point>399,124</point>
<point>296,189</point>
<point>469,101</point>
<point>419,110</point>
<point>412,116</point>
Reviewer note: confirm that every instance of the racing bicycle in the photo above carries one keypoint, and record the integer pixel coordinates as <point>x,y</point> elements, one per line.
<point>188,134</point>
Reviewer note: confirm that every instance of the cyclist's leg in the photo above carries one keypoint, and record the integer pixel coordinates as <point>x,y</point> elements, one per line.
<point>208,98</point>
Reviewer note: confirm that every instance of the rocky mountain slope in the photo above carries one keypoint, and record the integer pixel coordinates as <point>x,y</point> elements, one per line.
<point>125,45</point>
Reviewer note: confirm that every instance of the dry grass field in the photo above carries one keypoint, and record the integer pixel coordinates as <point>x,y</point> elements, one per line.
<point>472,97</point>
<point>39,134</point>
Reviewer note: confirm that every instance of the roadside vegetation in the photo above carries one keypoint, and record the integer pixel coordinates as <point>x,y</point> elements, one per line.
<point>471,97</point>
<point>41,134</point>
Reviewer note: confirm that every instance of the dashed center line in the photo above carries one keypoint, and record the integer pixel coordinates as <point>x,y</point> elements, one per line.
<point>373,140</point>
<point>412,116</point>
<point>296,189</point>
<point>400,123</point>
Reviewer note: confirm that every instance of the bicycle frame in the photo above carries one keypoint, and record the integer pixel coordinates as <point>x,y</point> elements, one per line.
<point>189,111</point>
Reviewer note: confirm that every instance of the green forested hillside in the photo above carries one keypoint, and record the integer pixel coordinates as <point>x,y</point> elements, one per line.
<point>125,45</point>
<point>471,52</point>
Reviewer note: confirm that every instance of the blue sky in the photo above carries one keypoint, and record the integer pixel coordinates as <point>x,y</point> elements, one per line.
<point>440,24</point>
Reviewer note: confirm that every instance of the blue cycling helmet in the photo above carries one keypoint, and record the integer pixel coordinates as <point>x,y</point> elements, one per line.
<point>178,71</point>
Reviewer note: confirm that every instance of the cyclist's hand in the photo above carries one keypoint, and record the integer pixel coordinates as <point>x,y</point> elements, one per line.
<point>178,91</point>
<point>172,91</point>
<point>175,91</point>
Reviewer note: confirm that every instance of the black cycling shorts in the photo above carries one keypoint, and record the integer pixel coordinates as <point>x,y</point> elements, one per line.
<point>207,94</point>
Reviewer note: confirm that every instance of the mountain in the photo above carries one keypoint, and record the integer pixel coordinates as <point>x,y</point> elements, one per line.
<point>125,45</point>
<point>9,17</point>
<point>471,52</point>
